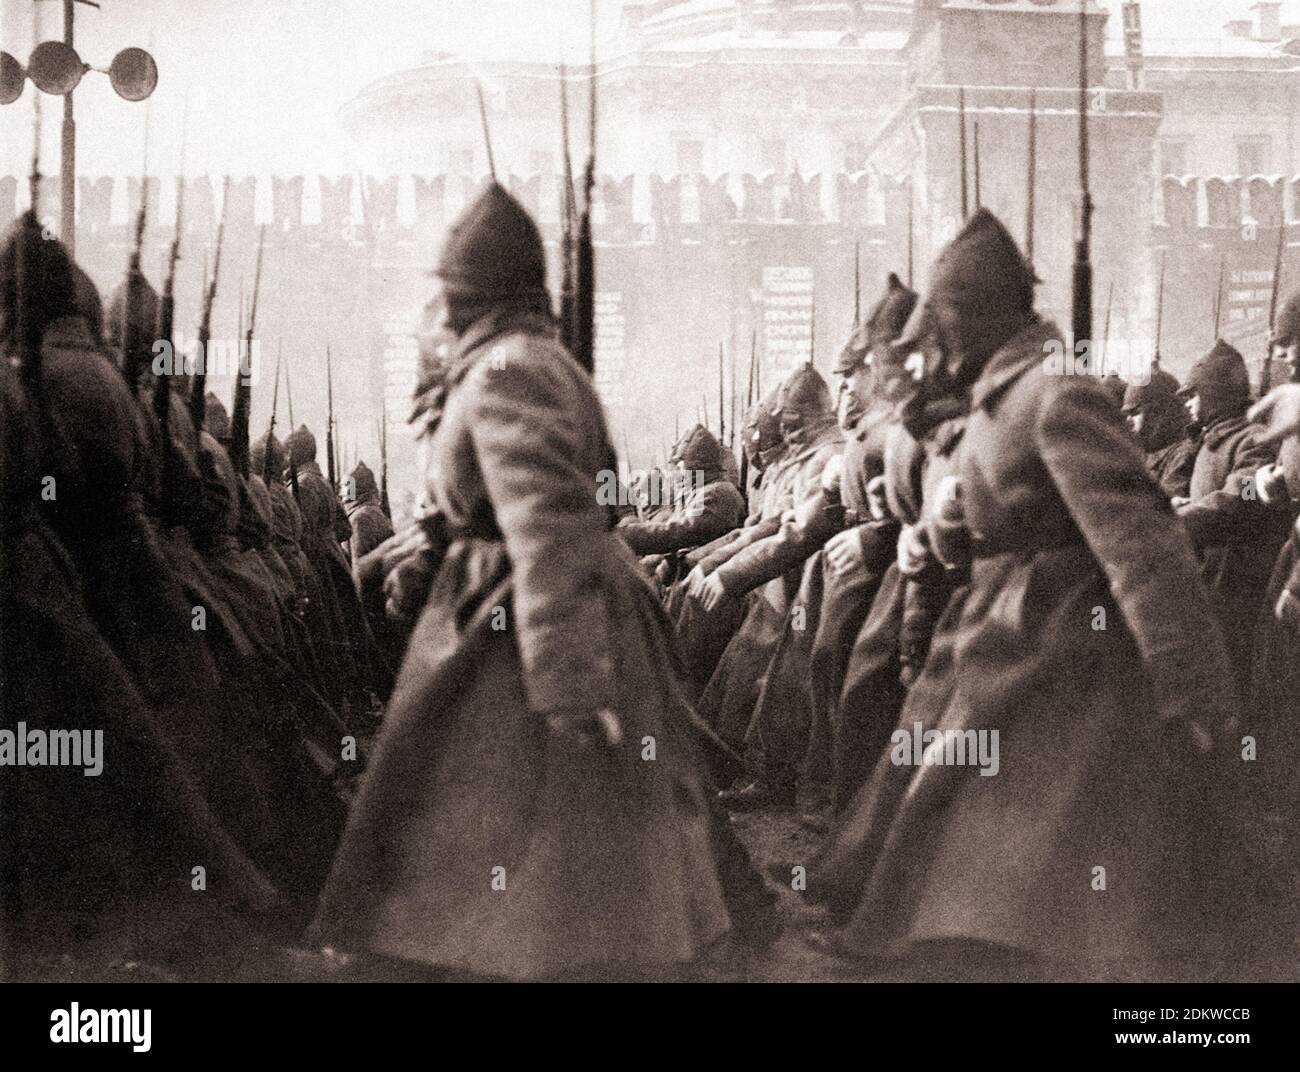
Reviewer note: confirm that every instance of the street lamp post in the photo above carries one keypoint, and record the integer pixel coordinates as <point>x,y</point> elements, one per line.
<point>55,68</point>
<point>68,167</point>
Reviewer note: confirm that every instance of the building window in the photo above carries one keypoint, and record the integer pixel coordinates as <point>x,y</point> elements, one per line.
<point>774,156</point>
<point>1253,156</point>
<point>690,156</point>
<point>855,157</point>
<point>1173,158</point>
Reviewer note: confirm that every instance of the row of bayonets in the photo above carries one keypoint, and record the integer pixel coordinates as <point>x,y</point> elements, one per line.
<point>134,348</point>
<point>1081,313</point>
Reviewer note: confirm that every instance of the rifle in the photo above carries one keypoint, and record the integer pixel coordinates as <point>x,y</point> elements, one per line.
<point>911,229</point>
<point>275,406</point>
<point>329,421</point>
<point>961,145</point>
<point>977,165</point>
<point>198,390</point>
<point>1105,331</point>
<point>166,315</point>
<point>1031,176</point>
<point>487,133</point>
<point>1218,295</point>
<point>131,341</point>
<point>383,459</point>
<point>812,330</point>
<point>722,395</point>
<point>1082,289</point>
<point>585,301</point>
<point>288,393</point>
<point>568,210</point>
<point>239,412</point>
<point>1266,375</point>
<point>749,404</point>
<point>857,284</point>
<point>734,416</point>
<point>1160,311</point>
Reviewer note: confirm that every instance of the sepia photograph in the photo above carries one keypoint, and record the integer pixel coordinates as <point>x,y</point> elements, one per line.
<point>656,493</point>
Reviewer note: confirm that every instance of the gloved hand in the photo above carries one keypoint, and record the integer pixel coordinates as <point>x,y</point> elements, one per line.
<point>586,729</point>
<point>1280,411</point>
<point>844,552</point>
<point>913,555</point>
<point>713,593</point>
<point>1270,484</point>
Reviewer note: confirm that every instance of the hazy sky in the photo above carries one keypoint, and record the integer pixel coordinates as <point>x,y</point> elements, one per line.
<point>265,78</point>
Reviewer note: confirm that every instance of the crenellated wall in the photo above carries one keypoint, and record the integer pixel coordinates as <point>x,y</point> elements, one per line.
<point>686,263</point>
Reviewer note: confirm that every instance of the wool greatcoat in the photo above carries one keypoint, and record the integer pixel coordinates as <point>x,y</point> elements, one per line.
<point>479,840</point>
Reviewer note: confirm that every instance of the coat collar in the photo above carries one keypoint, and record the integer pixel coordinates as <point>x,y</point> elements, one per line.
<point>1017,356</point>
<point>503,321</point>
<point>1220,431</point>
<point>69,332</point>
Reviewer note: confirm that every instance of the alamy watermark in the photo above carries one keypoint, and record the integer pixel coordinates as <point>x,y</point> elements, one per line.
<point>221,357</point>
<point>648,488</point>
<point>23,747</point>
<point>1130,359</point>
<point>945,748</point>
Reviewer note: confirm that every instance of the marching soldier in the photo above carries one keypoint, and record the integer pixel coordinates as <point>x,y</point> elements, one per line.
<point>535,680</point>
<point>1235,531</point>
<point>1104,703</point>
<point>1158,418</point>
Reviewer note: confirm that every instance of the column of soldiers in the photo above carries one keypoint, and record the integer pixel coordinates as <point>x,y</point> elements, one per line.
<point>962,545</point>
<point>1104,577</point>
<point>204,619</point>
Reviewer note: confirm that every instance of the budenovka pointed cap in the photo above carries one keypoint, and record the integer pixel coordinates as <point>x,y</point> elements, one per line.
<point>981,293</point>
<point>363,481</point>
<point>494,251</point>
<point>1287,328</point>
<point>301,446</point>
<point>1160,390</point>
<point>216,421</point>
<point>257,456</point>
<point>805,392</point>
<point>144,316</point>
<point>1221,379</point>
<point>883,326</point>
<point>698,450</point>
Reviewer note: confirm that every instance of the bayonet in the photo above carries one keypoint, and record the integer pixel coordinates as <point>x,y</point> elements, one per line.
<point>1082,289</point>
<point>568,211</point>
<point>329,418</point>
<point>487,133</point>
<point>198,389</point>
<point>239,414</point>
<point>1266,375</point>
<point>857,284</point>
<point>1160,310</point>
<point>133,345</point>
<point>961,146</point>
<point>1218,295</point>
<point>1031,176</point>
<point>585,303</point>
<point>383,459</point>
<point>275,409</point>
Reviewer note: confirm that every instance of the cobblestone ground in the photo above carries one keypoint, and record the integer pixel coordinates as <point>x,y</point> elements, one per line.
<point>198,952</point>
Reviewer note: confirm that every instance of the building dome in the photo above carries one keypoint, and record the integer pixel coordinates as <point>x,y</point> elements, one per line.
<point>707,25</point>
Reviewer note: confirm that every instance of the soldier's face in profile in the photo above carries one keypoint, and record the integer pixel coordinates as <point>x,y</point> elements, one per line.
<point>1292,356</point>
